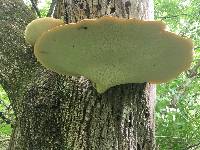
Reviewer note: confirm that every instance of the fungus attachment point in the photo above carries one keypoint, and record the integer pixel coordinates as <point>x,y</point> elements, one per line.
<point>39,26</point>
<point>115,51</point>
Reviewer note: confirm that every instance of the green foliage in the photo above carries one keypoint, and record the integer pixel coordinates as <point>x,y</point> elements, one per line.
<point>178,102</point>
<point>6,114</point>
<point>178,115</point>
<point>5,129</point>
<point>45,8</point>
<point>6,117</point>
<point>3,95</point>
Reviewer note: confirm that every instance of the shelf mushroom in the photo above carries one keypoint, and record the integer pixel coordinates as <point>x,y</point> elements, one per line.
<point>39,26</point>
<point>111,51</point>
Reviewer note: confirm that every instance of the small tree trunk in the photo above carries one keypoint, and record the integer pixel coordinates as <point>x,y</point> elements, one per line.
<point>60,112</point>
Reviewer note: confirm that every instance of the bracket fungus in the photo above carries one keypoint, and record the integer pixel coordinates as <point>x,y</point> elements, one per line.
<point>39,26</point>
<point>111,51</point>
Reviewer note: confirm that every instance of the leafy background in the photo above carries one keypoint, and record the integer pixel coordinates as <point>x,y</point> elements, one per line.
<point>178,102</point>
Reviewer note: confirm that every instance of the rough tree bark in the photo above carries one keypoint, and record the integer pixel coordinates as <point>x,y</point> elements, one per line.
<point>60,112</point>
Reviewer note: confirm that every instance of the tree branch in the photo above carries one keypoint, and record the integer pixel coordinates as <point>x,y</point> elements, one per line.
<point>52,7</point>
<point>4,104</point>
<point>194,71</point>
<point>171,16</point>
<point>192,146</point>
<point>35,8</point>
<point>4,118</point>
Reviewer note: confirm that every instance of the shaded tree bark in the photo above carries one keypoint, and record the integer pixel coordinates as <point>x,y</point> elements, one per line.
<point>60,112</point>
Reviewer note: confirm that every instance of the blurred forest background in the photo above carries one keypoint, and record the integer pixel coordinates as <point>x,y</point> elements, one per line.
<point>178,102</point>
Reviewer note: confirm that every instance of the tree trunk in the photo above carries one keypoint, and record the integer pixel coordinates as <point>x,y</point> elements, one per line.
<point>61,112</point>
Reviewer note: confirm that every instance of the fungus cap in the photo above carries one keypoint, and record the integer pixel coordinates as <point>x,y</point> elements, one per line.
<point>111,51</point>
<point>39,26</point>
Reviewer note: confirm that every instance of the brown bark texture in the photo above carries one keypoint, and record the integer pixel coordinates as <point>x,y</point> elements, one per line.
<point>57,112</point>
